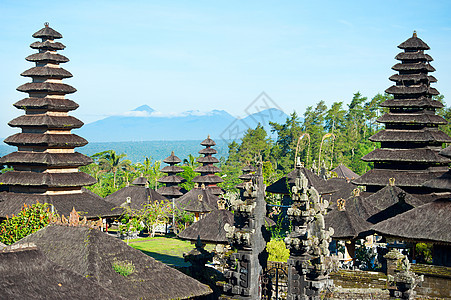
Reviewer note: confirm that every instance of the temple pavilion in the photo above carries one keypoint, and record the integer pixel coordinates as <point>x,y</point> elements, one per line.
<point>171,180</point>
<point>45,166</point>
<point>208,169</point>
<point>411,139</point>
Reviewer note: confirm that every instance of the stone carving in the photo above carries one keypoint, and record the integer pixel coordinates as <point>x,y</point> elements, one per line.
<point>248,236</point>
<point>404,280</point>
<point>309,263</point>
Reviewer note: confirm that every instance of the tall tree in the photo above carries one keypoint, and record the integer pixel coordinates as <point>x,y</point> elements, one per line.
<point>287,134</point>
<point>112,162</point>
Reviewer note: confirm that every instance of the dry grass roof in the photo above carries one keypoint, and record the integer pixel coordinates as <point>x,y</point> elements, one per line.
<point>92,254</point>
<point>29,274</point>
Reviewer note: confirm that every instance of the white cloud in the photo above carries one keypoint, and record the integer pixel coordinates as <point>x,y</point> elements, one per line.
<point>158,114</point>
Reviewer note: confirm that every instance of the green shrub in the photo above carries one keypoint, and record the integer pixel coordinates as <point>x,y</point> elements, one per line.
<point>28,220</point>
<point>124,268</point>
<point>277,250</point>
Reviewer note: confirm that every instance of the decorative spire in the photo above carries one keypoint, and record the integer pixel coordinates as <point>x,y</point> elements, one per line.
<point>45,165</point>
<point>208,169</point>
<point>171,180</point>
<point>411,139</point>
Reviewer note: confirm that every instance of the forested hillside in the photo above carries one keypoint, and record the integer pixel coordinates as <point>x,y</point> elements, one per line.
<point>322,137</point>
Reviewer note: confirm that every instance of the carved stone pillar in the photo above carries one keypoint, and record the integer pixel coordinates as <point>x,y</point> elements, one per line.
<point>248,236</point>
<point>309,264</point>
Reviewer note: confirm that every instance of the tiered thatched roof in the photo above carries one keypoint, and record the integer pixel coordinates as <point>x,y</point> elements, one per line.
<point>411,140</point>
<point>171,180</point>
<point>208,169</point>
<point>45,167</point>
<point>92,254</point>
<point>429,222</point>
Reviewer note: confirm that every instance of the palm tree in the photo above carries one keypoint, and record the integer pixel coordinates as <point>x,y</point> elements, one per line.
<point>112,162</point>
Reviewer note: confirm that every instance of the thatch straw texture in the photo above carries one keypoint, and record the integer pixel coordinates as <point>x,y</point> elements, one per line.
<point>92,254</point>
<point>28,274</point>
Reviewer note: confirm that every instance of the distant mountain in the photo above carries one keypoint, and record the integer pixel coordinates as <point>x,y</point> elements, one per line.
<point>146,124</point>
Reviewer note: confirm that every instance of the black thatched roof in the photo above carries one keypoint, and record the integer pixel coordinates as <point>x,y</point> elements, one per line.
<point>414,56</point>
<point>172,159</point>
<point>442,182</point>
<point>207,179</point>
<point>47,45</point>
<point>208,151</point>
<point>47,72</point>
<point>208,142</point>
<point>418,102</point>
<point>344,172</point>
<point>86,203</point>
<point>414,43</point>
<point>351,222</point>
<point>171,191</point>
<point>412,67</point>
<point>29,274</point>
<point>198,200</point>
<point>207,159</point>
<point>46,103</point>
<point>414,78</point>
<point>403,178</point>
<point>48,140</point>
<point>344,189</point>
<point>389,202</point>
<point>140,181</point>
<point>139,196</point>
<point>210,228</point>
<point>429,222</point>
<point>208,169</point>
<point>280,186</point>
<point>446,152</point>
<point>412,118</point>
<point>46,87</point>
<point>47,33</point>
<point>175,179</point>
<point>47,121</point>
<point>28,178</point>
<point>75,159</point>
<point>405,155</point>
<point>47,57</point>
<point>92,254</point>
<point>172,169</point>
<point>424,135</point>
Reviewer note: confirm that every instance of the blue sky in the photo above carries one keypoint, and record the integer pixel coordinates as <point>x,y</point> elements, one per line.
<point>202,55</point>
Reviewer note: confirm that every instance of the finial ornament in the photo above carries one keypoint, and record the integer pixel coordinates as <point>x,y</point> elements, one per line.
<point>356,192</point>
<point>46,24</point>
<point>414,33</point>
<point>341,204</point>
<point>391,181</point>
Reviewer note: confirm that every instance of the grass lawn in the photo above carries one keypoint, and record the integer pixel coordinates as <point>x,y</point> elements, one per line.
<point>167,250</point>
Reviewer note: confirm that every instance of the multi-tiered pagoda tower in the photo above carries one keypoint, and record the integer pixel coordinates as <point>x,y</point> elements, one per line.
<point>207,170</point>
<point>171,180</point>
<point>45,167</point>
<point>411,140</point>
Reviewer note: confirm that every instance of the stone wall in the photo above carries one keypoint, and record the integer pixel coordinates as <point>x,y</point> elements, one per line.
<point>437,281</point>
<point>356,284</point>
